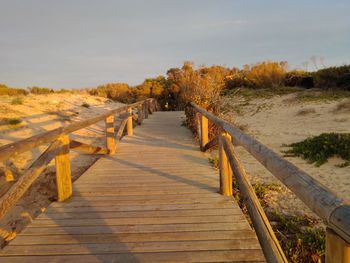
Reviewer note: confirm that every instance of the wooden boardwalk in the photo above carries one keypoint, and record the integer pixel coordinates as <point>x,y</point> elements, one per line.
<point>156,200</point>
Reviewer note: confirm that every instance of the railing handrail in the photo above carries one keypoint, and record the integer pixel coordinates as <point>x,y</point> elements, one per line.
<point>27,144</point>
<point>334,210</point>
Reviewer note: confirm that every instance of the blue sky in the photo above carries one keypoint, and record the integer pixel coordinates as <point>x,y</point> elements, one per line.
<point>84,43</point>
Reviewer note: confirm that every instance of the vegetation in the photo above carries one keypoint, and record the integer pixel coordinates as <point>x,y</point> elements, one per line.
<point>38,90</point>
<point>262,189</point>
<point>4,90</point>
<point>318,149</point>
<point>86,105</point>
<point>13,121</point>
<point>301,241</point>
<point>214,161</point>
<point>17,101</point>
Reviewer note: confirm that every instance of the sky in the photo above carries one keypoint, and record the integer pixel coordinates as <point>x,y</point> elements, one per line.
<point>85,43</point>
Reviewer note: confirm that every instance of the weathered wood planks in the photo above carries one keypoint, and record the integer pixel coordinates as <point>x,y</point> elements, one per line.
<point>156,200</point>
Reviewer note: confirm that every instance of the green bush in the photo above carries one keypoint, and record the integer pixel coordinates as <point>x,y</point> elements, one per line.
<point>318,149</point>
<point>301,241</point>
<point>37,90</point>
<point>333,77</point>
<point>4,90</point>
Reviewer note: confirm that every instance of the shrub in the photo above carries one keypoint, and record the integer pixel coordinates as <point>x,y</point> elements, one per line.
<point>266,74</point>
<point>14,121</point>
<point>115,91</point>
<point>333,77</point>
<point>38,90</point>
<point>318,149</point>
<point>86,105</point>
<point>298,78</point>
<point>17,101</point>
<point>4,90</point>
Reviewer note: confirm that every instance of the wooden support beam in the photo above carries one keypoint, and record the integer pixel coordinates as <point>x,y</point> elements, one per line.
<point>110,137</point>
<point>139,114</point>
<point>86,148</point>
<point>121,129</point>
<point>225,170</point>
<point>63,171</point>
<point>8,200</point>
<point>129,122</point>
<point>204,131</point>
<point>214,142</point>
<point>145,109</point>
<point>337,249</point>
<point>267,238</point>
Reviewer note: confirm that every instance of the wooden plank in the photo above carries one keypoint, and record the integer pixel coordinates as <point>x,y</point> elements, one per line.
<point>86,148</point>
<point>138,208</point>
<point>138,221</point>
<point>165,246</point>
<point>63,171</point>
<point>251,255</point>
<point>143,214</point>
<point>120,132</point>
<point>133,237</point>
<point>73,230</point>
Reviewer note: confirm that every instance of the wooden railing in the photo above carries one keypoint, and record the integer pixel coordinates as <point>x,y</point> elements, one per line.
<point>60,145</point>
<point>334,211</point>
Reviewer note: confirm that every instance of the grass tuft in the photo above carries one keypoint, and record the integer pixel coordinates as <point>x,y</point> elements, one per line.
<point>14,121</point>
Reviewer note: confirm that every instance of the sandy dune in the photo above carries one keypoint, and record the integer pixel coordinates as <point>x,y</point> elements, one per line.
<point>284,120</point>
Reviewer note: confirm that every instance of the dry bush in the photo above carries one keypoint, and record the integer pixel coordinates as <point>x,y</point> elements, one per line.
<point>266,74</point>
<point>115,91</point>
<point>4,90</point>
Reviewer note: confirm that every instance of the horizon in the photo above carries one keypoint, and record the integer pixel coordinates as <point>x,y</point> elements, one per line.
<point>85,44</point>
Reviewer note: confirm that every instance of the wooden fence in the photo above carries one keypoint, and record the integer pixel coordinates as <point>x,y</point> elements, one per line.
<point>334,211</point>
<point>60,145</point>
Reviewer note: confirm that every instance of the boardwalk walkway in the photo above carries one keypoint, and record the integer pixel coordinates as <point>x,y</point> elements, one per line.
<point>156,200</point>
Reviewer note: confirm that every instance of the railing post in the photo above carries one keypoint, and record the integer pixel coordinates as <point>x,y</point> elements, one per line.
<point>139,114</point>
<point>204,131</point>
<point>110,136</point>
<point>129,124</point>
<point>145,109</point>
<point>337,249</point>
<point>225,169</point>
<point>63,171</point>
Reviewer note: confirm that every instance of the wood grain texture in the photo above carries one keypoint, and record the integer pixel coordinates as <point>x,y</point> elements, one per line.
<point>63,171</point>
<point>110,135</point>
<point>157,200</point>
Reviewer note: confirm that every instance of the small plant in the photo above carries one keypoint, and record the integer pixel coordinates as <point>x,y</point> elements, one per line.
<point>262,189</point>
<point>301,241</point>
<point>38,90</point>
<point>14,121</point>
<point>214,161</point>
<point>17,101</point>
<point>86,105</point>
<point>318,149</point>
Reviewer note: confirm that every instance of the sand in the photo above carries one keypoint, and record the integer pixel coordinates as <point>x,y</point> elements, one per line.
<point>40,113</point>
<point>283,120</point>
